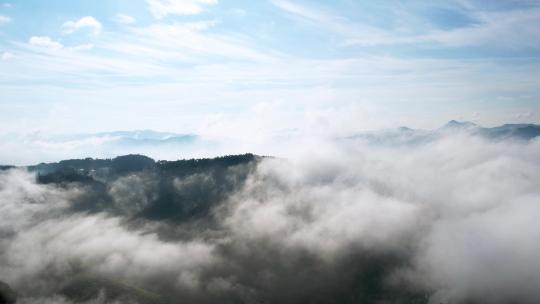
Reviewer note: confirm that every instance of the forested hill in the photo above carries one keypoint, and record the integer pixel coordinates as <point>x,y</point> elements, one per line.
<point>136,162</point>
<point>140,187</point>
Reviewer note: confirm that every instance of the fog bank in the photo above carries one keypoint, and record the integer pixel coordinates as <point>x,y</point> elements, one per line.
<point>448,221</point>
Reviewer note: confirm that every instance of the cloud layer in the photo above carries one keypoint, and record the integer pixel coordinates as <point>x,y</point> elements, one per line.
<point>451,221</point>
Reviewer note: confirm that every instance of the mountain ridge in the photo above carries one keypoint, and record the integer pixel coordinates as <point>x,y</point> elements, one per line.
<point>404,135</point>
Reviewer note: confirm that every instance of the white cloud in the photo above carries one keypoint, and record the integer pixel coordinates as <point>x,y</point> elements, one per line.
<point>474,215</point>
<point>4,19</point>
<point>162,8</point>
<point>82,47</point>
<point>523,115</point>
<point>45,42</point>
<point>85,22</point>
<point>48,43</point>
<point>28,201</point>
<point>7,56</point>
<point>124,19</point>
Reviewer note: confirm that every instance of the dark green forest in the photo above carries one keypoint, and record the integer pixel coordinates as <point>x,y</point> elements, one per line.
<point>210,181</point>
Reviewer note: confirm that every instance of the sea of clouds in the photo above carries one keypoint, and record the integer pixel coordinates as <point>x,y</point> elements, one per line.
<point>454,220</point>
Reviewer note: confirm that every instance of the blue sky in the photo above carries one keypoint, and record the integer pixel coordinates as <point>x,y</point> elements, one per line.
<point>253,68</point>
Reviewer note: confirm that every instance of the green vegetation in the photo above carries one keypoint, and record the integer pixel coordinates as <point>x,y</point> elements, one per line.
<point>87,287</point>
<point>169,190</point>
<point>7,295</point>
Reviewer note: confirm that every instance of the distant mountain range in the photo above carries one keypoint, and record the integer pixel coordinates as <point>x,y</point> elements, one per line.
<point>152,138</point>
<point>518,131</point>
<point>38,147</point>
<point>42,147</point>
<point>402,135</point>
<point>405,135</point>
<point>136,137</point>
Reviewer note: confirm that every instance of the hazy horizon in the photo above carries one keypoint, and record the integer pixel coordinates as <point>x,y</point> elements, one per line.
<point>37,147</point>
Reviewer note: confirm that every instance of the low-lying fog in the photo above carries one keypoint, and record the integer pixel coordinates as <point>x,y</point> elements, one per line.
<point>454,220</point>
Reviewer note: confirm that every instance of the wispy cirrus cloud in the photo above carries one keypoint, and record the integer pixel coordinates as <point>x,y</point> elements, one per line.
<point>139,52</point>
<point>124,19</point>
<point>189,38</point>
<point>516,24</point>
<point>45,42</point>
<point>352,32</point>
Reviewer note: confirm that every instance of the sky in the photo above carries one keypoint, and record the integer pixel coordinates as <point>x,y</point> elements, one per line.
<point>218,67</point>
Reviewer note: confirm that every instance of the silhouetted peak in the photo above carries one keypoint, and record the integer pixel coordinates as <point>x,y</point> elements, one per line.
<point>132,162</point>
<point>453,124</point>
<point>405,129</point>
